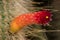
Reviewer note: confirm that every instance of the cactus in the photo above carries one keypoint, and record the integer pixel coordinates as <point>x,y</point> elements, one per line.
<point>9,9</point>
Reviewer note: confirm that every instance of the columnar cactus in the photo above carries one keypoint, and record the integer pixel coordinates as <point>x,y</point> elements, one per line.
<point>17,7</point>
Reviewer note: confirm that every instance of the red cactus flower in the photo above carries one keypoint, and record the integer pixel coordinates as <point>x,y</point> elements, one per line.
<point>41,17</point>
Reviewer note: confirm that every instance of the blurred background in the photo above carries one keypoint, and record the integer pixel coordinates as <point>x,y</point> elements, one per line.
<point>9,9</point>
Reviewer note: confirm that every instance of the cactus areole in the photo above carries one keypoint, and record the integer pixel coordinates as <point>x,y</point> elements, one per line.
<point>40,17</point>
